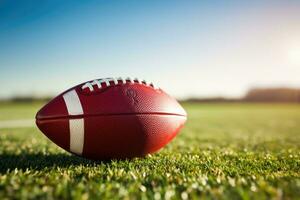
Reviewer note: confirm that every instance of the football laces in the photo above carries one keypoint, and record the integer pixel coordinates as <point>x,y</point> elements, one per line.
<point>115,81</point>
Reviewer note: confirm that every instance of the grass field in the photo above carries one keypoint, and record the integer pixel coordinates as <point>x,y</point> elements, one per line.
<point>230,151</point>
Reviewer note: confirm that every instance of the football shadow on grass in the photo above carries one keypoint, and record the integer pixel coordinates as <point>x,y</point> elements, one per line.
<point>39,161</point>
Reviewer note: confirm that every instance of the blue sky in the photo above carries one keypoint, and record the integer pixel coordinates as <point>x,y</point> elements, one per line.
<point>188,48</point>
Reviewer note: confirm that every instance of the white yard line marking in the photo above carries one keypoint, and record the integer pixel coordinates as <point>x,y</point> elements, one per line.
<point>18,123</point>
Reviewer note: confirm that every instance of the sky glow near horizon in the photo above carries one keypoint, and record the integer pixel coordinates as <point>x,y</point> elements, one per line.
<point>188,48</point>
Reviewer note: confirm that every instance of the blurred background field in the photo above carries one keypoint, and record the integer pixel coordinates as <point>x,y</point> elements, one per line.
<point>226,150</point>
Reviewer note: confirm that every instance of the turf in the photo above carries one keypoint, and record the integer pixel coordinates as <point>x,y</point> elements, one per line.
<point>226,151</point>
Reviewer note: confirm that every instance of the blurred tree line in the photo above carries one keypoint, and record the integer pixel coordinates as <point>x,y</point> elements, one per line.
<point>273,95</point>
<point>288,95</point>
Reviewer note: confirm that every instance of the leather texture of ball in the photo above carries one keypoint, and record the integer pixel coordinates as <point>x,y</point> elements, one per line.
<point>112,118</point>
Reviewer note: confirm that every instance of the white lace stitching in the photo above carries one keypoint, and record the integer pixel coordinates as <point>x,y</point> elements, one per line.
<point>107,81</point>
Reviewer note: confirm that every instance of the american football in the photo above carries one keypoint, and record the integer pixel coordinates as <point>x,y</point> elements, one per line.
<point>112,118</point>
